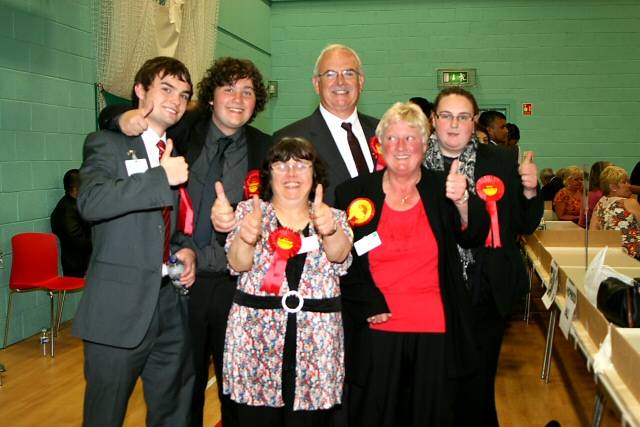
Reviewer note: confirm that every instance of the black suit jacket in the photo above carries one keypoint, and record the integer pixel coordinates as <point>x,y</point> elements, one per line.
<point>362,299</point>
<point>501,273</point>
<point>74,234</point>
<point>315,129</point>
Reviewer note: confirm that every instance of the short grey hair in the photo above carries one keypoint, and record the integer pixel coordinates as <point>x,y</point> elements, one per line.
<point>337,46</point>
<point>407,112</point>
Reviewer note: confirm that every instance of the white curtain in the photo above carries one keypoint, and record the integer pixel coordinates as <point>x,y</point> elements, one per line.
<point>131,31</point>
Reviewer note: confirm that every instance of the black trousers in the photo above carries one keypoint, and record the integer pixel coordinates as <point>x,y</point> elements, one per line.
<point>475,400</point>
<point>209,304</point>
<point>406,385</point>
<point>163,361</point>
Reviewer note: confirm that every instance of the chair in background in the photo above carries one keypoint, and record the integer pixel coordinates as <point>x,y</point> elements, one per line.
<point>35,267</point>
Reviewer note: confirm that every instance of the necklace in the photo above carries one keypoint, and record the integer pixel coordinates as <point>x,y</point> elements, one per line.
<point>404,198</point>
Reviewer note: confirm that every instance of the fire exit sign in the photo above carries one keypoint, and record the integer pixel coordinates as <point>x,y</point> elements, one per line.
<point>456,77</point>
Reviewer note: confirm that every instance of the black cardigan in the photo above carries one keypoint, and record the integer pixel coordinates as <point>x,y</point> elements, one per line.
<point>361,297</point>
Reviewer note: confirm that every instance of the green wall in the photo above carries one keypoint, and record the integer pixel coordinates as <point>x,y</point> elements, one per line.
<point>578,62</point>
<point>47,64</point>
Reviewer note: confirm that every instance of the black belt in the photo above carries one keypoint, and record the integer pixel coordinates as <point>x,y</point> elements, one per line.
<point>291,302</point>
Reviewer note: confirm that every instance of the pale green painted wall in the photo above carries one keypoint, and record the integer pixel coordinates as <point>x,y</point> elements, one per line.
<point>47,64</point>
<point>578,62</point>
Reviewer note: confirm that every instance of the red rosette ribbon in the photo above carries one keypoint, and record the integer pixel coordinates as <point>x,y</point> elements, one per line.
<point>284,243</point>
<point>185,212</point>
<point>490,188</point>
<point>376,150</point>
<point>252,184</point>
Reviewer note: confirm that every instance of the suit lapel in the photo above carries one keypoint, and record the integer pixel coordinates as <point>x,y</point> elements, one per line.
<point>322,139</point>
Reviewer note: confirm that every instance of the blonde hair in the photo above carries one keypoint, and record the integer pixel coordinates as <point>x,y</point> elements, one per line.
<point>611,175</point>
<point>407,112</point>
<point>570,172</point>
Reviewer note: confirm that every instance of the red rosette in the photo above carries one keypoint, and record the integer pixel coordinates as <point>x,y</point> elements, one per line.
<point>490,188</point>
<point>376,150</point>
<point>360,212</point>
<point>252,184</point>
<point>185,212</point>
<point>284,243</point>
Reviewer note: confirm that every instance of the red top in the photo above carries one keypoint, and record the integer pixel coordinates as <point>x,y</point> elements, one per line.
<point>405,269</point>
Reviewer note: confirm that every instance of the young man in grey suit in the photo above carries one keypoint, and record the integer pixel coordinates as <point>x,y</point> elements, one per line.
<point>340,134</point>
<point>132,320</point>
<point>219,145</point>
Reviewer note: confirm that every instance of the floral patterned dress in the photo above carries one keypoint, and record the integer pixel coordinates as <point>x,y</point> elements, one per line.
<point>572,204</point>
<point>255,338</point>
<point>614,216</point>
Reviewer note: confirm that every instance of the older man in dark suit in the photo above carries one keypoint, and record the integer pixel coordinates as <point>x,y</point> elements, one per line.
<point>339,132</point>
<point>132,321</point>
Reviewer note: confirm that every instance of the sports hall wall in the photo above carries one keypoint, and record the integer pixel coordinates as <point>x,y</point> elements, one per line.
<point>578,62</point>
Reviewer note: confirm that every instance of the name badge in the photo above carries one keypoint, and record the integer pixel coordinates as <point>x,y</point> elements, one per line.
<point>136,166</point>
<point>367,243</point>
<point>309,244</point>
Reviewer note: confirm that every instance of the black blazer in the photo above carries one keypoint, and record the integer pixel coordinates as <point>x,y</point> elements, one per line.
<point>315,129</point>
<point>362,299</point>
<point>501,271</point>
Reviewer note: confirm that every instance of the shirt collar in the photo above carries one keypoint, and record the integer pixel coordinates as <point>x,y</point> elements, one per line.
<point>334,120</point>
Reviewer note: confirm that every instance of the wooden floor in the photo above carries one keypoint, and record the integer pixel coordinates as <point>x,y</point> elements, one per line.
<point>43,391</point>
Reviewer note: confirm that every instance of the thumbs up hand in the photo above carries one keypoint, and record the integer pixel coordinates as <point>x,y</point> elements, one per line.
<point>223,216</point>
<point>176,168</point>
<point>456,184</point>
<point>322,216</point>
<point>528,173</point>
<point>251,225</point>
<point>134,122</point>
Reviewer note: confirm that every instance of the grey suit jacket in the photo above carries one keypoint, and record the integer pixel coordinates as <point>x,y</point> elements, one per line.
<point>315,129</point>
<point>124,275</point>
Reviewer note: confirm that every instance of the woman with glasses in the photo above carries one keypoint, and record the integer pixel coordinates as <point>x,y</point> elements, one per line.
<point>283,357</point>
<point>568,201</point>
<point>405,290</point>
<point>494,270</point>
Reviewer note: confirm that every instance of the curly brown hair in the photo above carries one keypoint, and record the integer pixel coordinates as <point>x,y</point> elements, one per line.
<point>226,71</point>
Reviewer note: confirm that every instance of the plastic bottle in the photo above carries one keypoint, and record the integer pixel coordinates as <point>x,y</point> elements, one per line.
<point>44,340</point>
<point>175,269</point>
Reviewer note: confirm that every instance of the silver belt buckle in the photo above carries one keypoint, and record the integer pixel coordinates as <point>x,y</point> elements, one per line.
<point>296,309</point>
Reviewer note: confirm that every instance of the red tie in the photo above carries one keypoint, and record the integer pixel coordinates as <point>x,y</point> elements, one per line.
<point>185,212</point>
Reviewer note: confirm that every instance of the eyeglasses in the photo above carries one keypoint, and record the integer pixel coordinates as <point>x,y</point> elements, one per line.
<point>462,117</point>
<point>347,74</point>
<point>296,167</point>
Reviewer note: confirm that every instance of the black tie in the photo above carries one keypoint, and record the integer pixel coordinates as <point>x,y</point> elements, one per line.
<point>356,151</point>
<point>203,229</point>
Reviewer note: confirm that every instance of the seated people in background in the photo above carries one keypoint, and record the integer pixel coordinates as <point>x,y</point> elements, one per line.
<point>513,136</point>
<point>406,291</point>
<point>424,105</point>
<point>594,191</point>
<point>481,134</point>
<point>73,232</point>
<point>634,179</point>
<point>568,200</point>
<point>496,125</point>
<point>284,366</point>
<point>546,175</point>
<point>617,209</point>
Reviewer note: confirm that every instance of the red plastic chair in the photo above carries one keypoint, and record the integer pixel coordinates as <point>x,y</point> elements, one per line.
<point>35,267</point>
